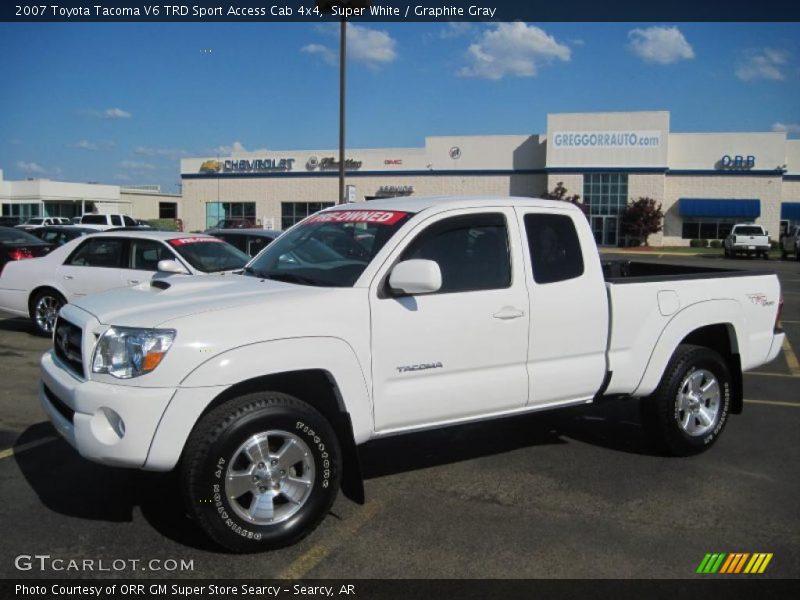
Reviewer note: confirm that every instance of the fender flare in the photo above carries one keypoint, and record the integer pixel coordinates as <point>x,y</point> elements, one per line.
<point>212,378</point>
<point>709,312</point>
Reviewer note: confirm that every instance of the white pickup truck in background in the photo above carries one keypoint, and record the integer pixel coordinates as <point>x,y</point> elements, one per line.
<point>406,314</point>
<point>749,239</point>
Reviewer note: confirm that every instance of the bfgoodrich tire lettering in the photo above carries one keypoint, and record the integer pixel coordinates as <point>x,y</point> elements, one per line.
<point>690,408</point>
<point>261,471</point>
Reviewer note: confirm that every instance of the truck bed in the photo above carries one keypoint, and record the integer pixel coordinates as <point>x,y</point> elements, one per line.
<point>629,271</point>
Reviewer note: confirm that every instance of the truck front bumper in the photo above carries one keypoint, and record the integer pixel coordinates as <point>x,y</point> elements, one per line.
<point>111,424</point>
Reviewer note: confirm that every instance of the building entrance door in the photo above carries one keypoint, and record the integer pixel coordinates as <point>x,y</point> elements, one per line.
<point>605,230</point>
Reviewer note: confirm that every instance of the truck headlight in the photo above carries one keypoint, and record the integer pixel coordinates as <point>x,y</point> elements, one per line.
<point>126,352</point>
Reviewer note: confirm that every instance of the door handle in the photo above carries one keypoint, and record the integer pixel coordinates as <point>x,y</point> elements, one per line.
<point>509,312</point>
<point>68,277</point>
<point>134,281</point>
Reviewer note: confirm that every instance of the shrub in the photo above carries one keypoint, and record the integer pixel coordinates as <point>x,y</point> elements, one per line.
<point>716,243</point>
<point>698,243</point>
<point>163,224</point>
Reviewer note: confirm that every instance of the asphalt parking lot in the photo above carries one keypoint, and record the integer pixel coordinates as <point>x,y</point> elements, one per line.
<point>571,494</point>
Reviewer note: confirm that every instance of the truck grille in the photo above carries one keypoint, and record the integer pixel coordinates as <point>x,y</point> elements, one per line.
<point>68,347</point>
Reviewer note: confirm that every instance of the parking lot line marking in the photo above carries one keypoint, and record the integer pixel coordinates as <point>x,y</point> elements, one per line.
<point>304,563</point>
<point>791,357</point>
<point>17,449</point>
<point>773,403</point>
<point>771,374</point>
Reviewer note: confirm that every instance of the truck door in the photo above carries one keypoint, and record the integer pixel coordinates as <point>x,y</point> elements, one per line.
<point>568,307</point>
<point>460,351</point>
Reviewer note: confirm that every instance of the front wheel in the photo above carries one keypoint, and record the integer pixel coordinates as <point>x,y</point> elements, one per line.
<point>261,471</point>
<point>688,411</point>
<point>44,307</point>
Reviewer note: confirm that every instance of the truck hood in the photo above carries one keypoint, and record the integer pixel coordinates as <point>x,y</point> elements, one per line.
<point>151,304</point>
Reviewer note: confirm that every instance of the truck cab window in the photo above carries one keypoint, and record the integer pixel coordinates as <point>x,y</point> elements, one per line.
<point>554,247</point>
<point>471,251</point>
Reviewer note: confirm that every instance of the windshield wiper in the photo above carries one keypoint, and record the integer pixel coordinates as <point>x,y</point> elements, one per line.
<point>253,272</point>
<point>293,278</point>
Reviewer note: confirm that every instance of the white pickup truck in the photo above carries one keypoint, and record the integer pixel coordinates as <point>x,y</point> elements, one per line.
<point>749,239</point>
<point>365,321</point>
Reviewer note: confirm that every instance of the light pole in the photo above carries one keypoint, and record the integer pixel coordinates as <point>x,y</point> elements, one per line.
<point>342,82</point>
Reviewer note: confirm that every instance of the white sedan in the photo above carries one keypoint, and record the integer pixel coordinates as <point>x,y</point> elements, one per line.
<point>39,287</point>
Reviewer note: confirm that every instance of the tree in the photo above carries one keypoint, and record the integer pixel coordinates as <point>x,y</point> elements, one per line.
<point>641,218</point>
<point>561,193</point>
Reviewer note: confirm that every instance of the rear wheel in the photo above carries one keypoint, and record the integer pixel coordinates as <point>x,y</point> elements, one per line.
<point>261,471</point>
<point>689,409</point>
<point>44,307</point>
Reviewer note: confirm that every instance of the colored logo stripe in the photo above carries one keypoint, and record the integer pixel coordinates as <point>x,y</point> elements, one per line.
<point>734,563</point>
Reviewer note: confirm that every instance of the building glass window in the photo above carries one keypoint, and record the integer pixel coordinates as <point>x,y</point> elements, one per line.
<point>24,211</point>
<point>167,210</point>
<point>606,195</point>
<point>707,228</point>
<point>224,215</point>
<point>294,212</point>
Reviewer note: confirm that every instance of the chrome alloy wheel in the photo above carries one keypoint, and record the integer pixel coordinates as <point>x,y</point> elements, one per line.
<point>270,477</point>
<point>698,402</point>
<point>45,312</point>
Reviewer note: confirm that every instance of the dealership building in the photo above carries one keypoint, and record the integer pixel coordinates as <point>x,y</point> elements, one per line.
<point>705,182</point>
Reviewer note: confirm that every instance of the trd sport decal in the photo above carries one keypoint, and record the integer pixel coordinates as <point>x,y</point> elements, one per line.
<point>420,367</point>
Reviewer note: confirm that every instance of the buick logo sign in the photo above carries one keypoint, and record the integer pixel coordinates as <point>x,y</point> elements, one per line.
<point>312,163</point>
<point>455,152</point>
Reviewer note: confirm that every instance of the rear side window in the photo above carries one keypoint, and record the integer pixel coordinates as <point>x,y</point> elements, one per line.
<point>554,248</point>
<point>748,230</point>
<point>98,252</point>
<point>145,254</point>
<point>237,241</point>
<point>94,220</point>
<point>128,221</point>
<point>116,220</point>
<point>257,244</point>
<point>471,251</point>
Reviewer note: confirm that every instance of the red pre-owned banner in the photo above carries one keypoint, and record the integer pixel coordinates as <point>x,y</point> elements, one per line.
<point>379,217</point>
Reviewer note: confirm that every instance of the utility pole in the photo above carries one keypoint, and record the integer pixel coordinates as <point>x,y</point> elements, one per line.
<point>342,112</point>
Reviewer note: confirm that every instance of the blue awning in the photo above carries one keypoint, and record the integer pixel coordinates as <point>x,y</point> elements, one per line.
<point>709,207</point>
<point>790,211</point>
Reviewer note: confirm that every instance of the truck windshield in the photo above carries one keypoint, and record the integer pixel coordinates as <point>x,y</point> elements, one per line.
<point>329,249</point>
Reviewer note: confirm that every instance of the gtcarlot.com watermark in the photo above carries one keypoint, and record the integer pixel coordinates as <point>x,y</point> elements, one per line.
<point>45,562</point>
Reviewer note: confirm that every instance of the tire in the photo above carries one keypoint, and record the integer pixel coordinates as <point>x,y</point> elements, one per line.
<point>43,309</point>
<point>784,255</point>
<point>222,484</point>
<point>765,256</point>
<point>666,414</point>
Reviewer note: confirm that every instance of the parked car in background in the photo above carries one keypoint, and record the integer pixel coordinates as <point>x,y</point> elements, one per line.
<point>102,222</point>
<point>10,221</point>
<point>35,222</point>
<point>790,243</point>
<point>103,261</point>
<point>16,244</point>
<point>59,235</point>
<point>249,241</point>
<point>236,224</point>
<point>749,239</point>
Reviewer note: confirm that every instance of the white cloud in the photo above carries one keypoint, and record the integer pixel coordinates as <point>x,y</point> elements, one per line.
<point>85,145</point>
<point>236,147</point>
<point>325,53</point>
<point>455,29</point>
<point>368,46</point>
<point>660,45</point>
<point>513,49</point>
<point>173,153</point>
<point>762,64</point>
<point>109,113</point>
<point>136,165</point>
<point>790,128</point>
<point>122,177</point>
<point>30,167</point>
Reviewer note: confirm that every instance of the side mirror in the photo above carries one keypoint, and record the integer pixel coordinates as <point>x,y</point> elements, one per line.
<point>416,276</point>
<point>171,266</point>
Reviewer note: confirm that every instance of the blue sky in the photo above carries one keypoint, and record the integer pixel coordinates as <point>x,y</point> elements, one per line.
<point>121,103</point>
